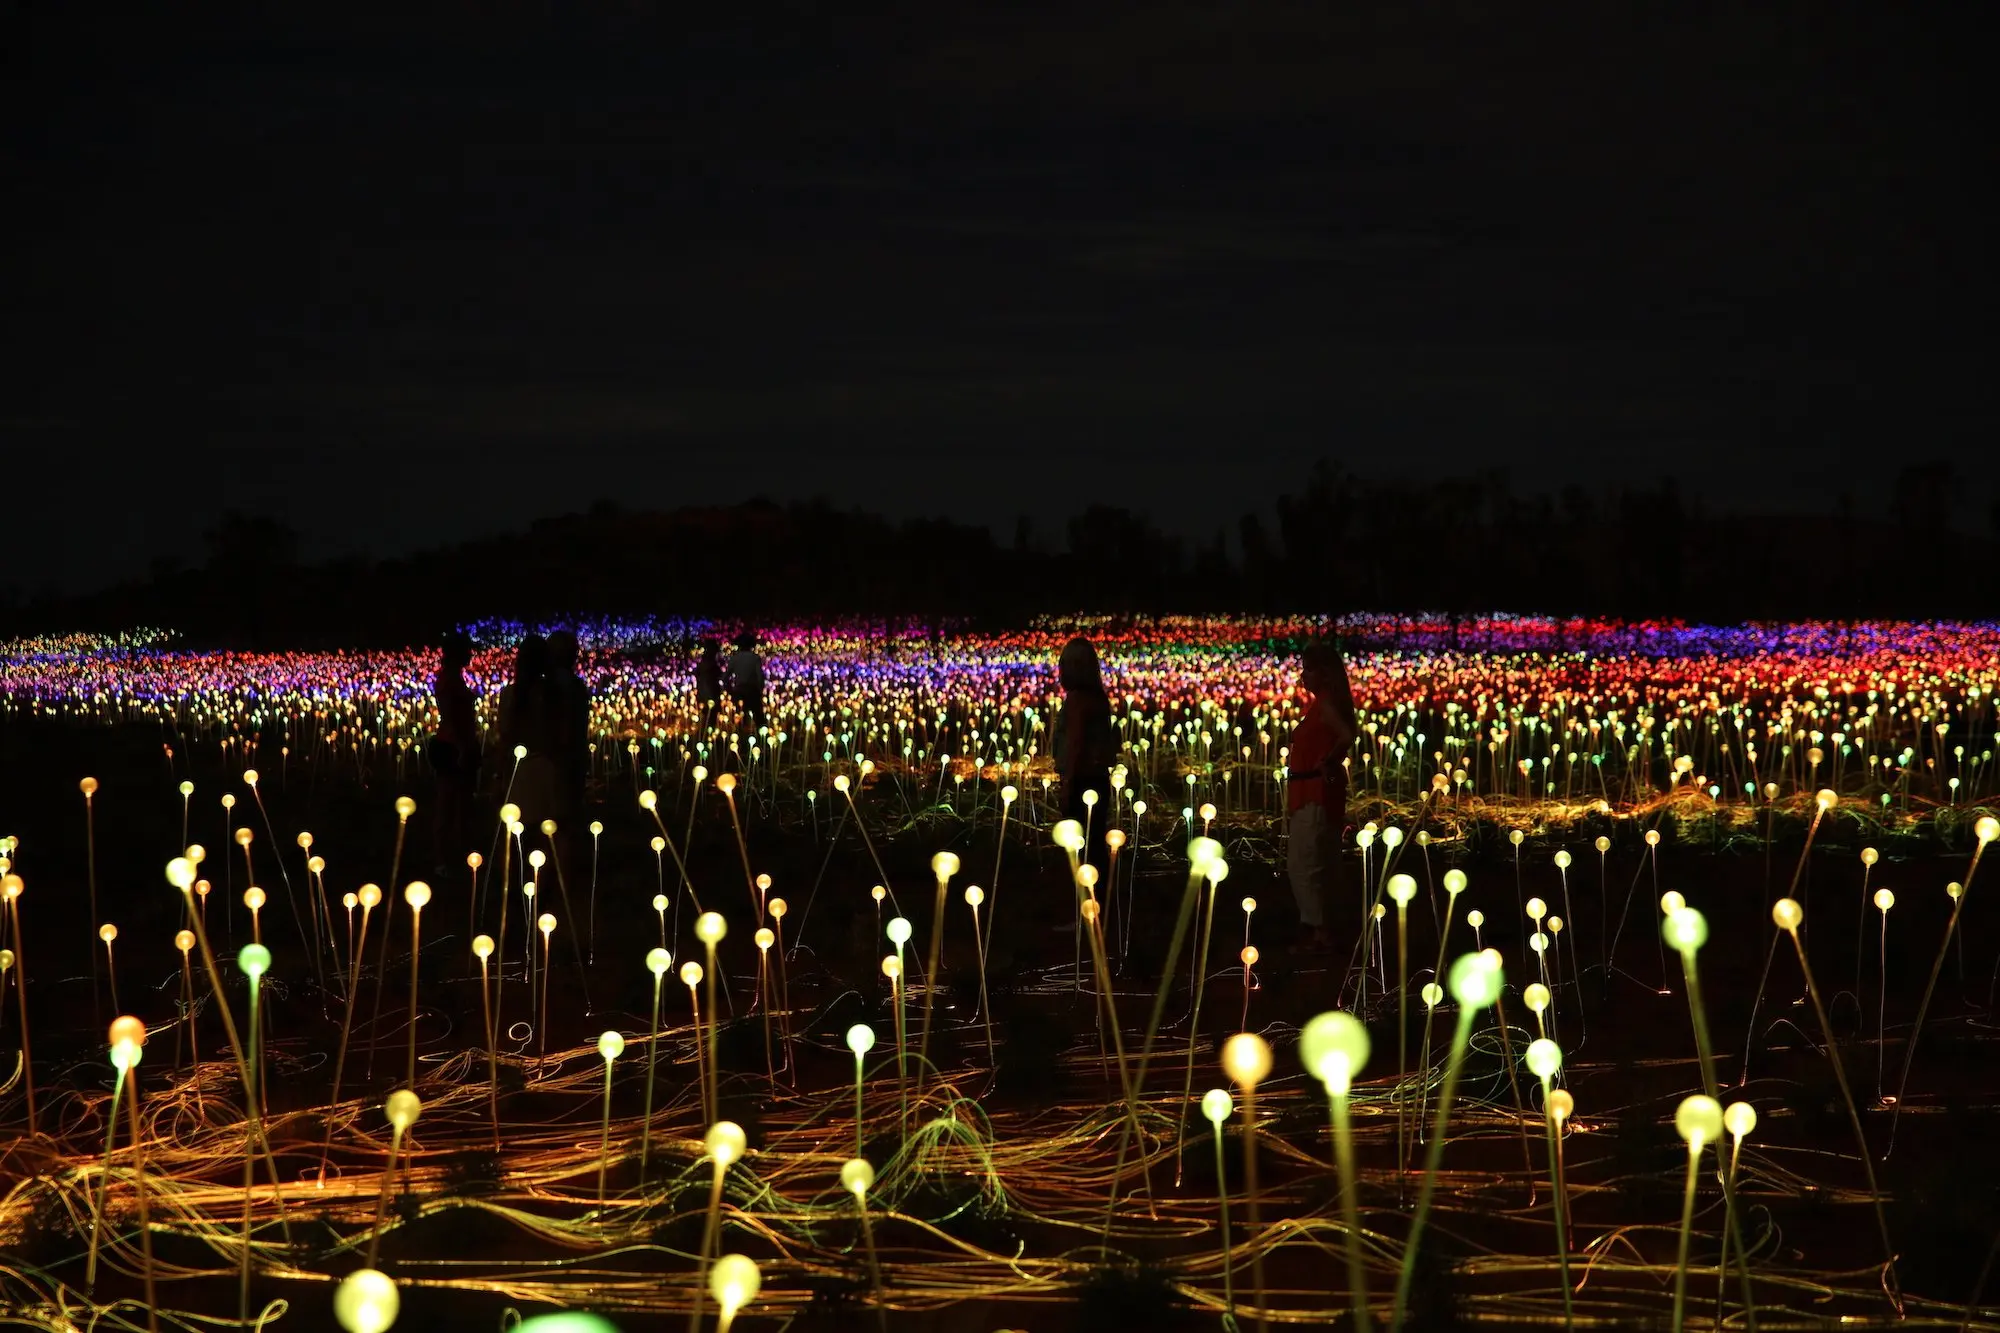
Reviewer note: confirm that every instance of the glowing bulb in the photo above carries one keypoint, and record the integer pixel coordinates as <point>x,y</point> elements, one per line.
<point>1561,1105</point>
<point>1786,914</point>
<point>1216,1106</point>
<point>107,932</point>
<point>1215,870</point>
<point>878,893</point>
<point>482,947</point>
<point>1671,902</point>
<point>254,959</point>
<point>974,895</point>
<point>726,783</point>
<point>1987,829</point>
<point>1246,1058</point>
<point>944,865</point>
<point>180,872</point>
<point>647,800</point>
<point>1536,997</point>
<point>724,1143</point>
<point>1402,888</point>
<point>1475,918</point>
<point>402,1109</point>
<point>1685,929</point>
<point>1698,1121</point>
<point>370,896</point>
<point>861,1039</point>
<point>779,907</point>
<point>1475,979</point>
<point>510,814</point>
<point>1334,1046</point>
<point>657,962</point>
<point>184,939</point>
<point>1086,876</point>
<point>1454,881</point>
<point>610,1044</point>
<point>366,1302</point>
<point>1433,994</point>
<point>1884,900</point>
<point>659,902</point>
<point>898,931</point>
<point>1652,837</point>
<point>734,1282</point>
<point>1739,1118</point>
<point>1603,844</point>
<point>856,1176</point>
<point>1068,835</point>
<point>1869,856</point>
<point>405,807</point>
<point>691,974</point>
<point>710,928</point>
<point>249,777</point>
<point>254,898</point>
<point>1200,851</point>
<point>892,967</point>
<point>1537,909</point>
<point>546,923</point>
<point>596,828</point>
<point>417,894</point>
<point>1544,1058</point>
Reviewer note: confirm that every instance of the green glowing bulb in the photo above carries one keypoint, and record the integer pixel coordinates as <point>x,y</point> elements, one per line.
<point>1685,929</point>
<point>860,1039</point>
<point>254,959</point>
<point>1333,1047</point>
<point>1544,1058</point>
<point>1216,1106</point>
<point>1475,980</point>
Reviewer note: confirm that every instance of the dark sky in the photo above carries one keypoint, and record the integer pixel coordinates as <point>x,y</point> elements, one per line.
<point>403,283</point>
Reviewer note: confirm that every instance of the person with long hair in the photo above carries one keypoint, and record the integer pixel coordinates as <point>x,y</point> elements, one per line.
<point>1085,749</point>
<point>1316,791</point>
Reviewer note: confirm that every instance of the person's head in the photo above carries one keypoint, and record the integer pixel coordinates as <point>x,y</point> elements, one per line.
<point>562,652</point>
<point>711,648</point>
<point>747,640</point>
<point>1078,667</point>
<point>531,659</point>
<point>457,654</point>
<point>1320,666</point>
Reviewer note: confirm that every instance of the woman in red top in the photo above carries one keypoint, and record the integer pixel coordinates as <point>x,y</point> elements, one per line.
<point>1317,789</point>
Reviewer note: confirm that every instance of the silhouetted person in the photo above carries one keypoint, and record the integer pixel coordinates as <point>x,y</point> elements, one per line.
<point>568,702</point>
<point>454,754</point>
<point>1085,749</point>
<point>746,679</point>
<point>1316,794</point>
<point>524,723</point>
<point>708,682</point>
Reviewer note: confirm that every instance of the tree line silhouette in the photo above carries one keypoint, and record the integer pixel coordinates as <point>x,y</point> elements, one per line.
<point>1340,542</point>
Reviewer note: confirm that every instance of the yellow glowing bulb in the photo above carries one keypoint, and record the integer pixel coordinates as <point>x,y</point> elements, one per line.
<point>405,807</point>
<point>482,947</point>
<point>1246,1058</point>
<point>417,895</point>
<point>1786,913</point>
<point>610,1045</point>
<point>710,928</point>
<point>691,974</point>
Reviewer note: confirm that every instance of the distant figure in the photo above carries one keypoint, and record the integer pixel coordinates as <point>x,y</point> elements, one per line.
<point>454,754</point>
<point>746,678</point>
<point>1317,789</point>
<point>524,722</point>
<point>708,682</point>
<point>568,702</point>
<point>1085,750</point>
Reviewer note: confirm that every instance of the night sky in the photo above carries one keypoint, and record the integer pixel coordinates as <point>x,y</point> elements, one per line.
<point>408,283</point>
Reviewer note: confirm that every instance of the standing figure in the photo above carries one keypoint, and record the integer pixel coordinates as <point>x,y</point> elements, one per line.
<point>1085,750</point>
<point>1316,794</point>
<point>708,682</point>
<point>524,724</point>
<point>454,755</point>
<point>746,679</point>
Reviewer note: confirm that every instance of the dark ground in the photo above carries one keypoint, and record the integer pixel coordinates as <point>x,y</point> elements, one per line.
<point>1804,1188</point>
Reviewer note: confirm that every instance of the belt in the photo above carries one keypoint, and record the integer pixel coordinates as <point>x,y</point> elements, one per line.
<point>1305,774</point>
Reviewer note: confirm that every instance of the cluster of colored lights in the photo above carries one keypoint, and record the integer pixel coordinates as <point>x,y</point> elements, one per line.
<point>1481,708</point>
